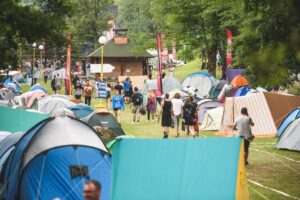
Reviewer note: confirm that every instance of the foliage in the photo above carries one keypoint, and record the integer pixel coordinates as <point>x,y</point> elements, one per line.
<point>43,21</point>
<point>88,23</point>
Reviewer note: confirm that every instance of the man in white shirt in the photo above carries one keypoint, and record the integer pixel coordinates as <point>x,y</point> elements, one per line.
<point>243,126</point>
<point>177,105</point>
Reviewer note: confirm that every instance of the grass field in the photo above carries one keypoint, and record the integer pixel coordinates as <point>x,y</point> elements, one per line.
<point>269,167</point>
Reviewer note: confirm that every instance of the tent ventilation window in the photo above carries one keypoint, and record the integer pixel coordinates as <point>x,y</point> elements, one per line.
<point>77,171</point>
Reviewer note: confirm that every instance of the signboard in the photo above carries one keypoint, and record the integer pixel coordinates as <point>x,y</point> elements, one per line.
<point>96,68</point>
<point>101,89</point>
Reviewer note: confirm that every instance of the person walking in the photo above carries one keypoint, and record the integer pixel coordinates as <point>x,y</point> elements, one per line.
<point>126,85</point>
<point>188,117</point>
<point>177,105</point>
<point>196,118</point>
<point>58,83</point>
<point>117,104</point>
<point>137,101</point>
<point>78,90</point>
<point>45,75</point>
<point>166,119</point>
<point>53,84</point>
<point>88,91</point>
<point>243,126</point>
<point>151,106</point>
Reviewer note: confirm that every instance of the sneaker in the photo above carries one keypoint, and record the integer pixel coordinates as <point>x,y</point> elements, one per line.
<point>138,122</point>
<point>133,122</point>
<point>247,163</point>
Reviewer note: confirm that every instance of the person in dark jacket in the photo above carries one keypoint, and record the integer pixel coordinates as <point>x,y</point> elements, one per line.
<point>166,119</point>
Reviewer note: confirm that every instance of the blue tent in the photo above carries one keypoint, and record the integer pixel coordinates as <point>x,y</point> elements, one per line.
<point>38,87</point>
<point>294,114</point>
<point>242,91</point>
<point>7,145</point>
<point>81,110</point>
<point>54,159</point>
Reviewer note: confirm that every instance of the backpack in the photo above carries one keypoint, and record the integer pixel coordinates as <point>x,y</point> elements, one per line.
<point>137,99</point>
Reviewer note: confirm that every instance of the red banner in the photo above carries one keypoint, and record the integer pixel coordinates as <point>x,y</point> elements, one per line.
<point>68,66</point>
<point>159,67</point>
<point>229,48</point>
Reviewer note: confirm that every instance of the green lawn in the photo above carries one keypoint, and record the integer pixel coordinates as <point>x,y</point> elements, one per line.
<point>270,167</point>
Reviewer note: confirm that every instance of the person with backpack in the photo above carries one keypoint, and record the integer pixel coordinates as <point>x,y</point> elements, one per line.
<point>137,101</point>
<point>117,104</point>
<point>188,117</point>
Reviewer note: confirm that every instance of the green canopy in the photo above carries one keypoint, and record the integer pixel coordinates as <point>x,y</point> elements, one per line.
<point>18,120</point>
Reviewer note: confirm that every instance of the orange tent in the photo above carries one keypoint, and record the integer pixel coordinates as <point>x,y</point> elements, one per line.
<point>239,81</point>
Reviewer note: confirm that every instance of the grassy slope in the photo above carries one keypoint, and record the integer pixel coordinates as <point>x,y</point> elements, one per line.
<point>269,170</point>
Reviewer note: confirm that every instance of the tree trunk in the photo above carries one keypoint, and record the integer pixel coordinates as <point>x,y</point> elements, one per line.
<point>212,61</point>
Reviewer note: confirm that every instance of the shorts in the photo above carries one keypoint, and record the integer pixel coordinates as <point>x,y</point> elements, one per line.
<point>116,109</point>
<point>127,94</point>
<point>135,109</point>
<point>176,120</point>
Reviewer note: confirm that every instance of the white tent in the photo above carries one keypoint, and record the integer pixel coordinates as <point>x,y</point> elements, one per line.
<point>51,105</point>
<point>212,119</point>
<point>204,106</point>
<point>290,138</point>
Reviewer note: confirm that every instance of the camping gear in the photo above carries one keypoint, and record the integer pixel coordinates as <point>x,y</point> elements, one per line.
<point>290,138</point>
<point>38,87</point>
<point>200,82</point>
<point>29,98</point>
<point>293,115</point>
<point>231,73</point>
<point>104,119</point>
<point>205,105</point>
<point>6,94</point>
<point>239,81</point>
<point>267,111</point>
<point>50,104</point>
<point>81,110</point>
<point>54,159</point>
<point>16,120</point>
<point>169,83</point>
<point>212,119</point>
<point>144,169</point>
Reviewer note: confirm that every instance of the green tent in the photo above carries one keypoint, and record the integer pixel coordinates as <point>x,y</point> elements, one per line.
<point>204,168</point>
<point>18,120</point>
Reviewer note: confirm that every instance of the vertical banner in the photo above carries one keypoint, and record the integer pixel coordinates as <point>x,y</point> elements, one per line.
<point>68,66</point>
<point>101,89</point>
<point>174,50</point>
<point>229,48</point>
<point>159,67</point>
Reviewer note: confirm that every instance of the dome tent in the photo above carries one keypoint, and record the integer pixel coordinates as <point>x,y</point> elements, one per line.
<point>81,110</point>
<point>54,159</point>
<point>200,82</point>
<point>290,138</point>
<point>294,114</point>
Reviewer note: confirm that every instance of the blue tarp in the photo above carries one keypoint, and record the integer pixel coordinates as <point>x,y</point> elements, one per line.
<point>81,110</point>
<point>242,91</point>
<point>295,114</point>
<point>38,87</point>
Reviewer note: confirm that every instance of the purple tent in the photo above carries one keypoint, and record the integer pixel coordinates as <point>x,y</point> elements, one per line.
<point>231,73</point>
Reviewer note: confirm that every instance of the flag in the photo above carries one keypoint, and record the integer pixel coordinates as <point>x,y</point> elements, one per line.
<point>159,68</point>
<point>68,66</point>
<point>229,47</point>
